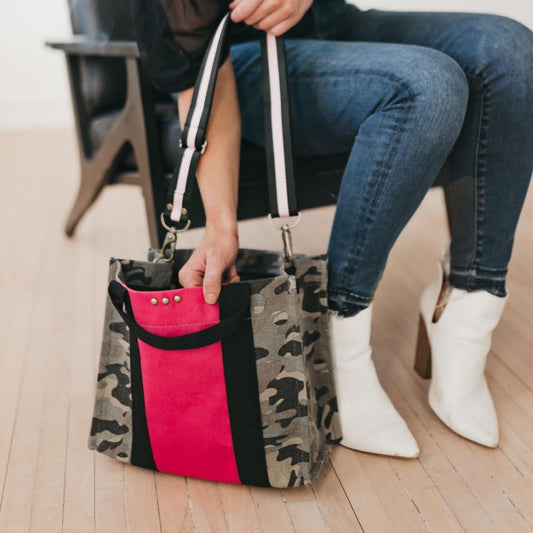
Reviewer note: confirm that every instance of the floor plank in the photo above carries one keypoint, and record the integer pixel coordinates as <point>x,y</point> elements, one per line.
<point>334,503</point>
<point>271,510</point>
<point>173,502</point>
<point>141,500</point>
<point>109,500</point>
<point>306,516</point>
<point>239,508</point>
<point>206,504</point>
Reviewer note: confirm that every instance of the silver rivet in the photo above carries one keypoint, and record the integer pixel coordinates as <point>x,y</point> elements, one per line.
<point>165,301</point>
<point>153,301</point>
<point>177,298</point>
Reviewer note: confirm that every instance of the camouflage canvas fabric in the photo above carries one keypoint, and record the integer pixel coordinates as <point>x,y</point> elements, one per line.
<point>311,280</point>
<point>111,426</point>
<point>291,339</point>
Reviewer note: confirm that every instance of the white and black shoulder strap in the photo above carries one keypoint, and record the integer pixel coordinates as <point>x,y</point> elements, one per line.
<point>278,137</point>
<point>278,141</point>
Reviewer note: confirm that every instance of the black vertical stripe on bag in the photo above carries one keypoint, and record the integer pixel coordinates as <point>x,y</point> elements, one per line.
<point>240,373</point>
<point>141,449</point>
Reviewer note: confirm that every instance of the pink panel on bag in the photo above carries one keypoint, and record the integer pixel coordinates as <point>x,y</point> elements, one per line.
<point>184,390</point>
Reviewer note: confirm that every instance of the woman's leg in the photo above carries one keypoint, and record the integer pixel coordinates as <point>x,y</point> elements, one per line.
<point>399,123</point>
<point>490,169</point>
<point>398,109</point>
<point>491,164</point>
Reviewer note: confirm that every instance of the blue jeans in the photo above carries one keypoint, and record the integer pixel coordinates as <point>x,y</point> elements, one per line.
<point>409,94</point>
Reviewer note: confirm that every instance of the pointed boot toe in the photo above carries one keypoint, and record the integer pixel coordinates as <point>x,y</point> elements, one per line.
<point>374,425</point>
<point>389,436</point>
<point>369,421</point>
<point>455,336</point>
<point>475,418</point>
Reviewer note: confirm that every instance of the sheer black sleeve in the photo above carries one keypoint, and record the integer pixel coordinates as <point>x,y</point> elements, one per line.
<point>172,36</point>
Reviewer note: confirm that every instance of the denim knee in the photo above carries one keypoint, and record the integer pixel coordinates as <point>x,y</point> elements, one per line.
<point>438,89</point>
<point>500,50</point>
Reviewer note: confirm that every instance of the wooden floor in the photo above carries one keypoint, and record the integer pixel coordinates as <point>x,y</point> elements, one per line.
<point>51,313</point>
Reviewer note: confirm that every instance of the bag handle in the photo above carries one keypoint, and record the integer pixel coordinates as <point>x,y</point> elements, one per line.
<point>278,141</point>
<point>121,301</point>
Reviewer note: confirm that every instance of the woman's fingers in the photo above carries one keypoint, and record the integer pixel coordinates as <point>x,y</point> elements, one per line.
<point>191,273</point>
<point>214,269</point>
<point>190,277</point>
<point>194,274</point>
<point>232,275</point>
<point>273,16</point>
<point>283,26</point>
<point>267,8</point>
<point>244,9</point>
<point>274,20</point>
<point>210,264</point>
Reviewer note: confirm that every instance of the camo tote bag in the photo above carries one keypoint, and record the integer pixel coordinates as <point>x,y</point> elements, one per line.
<point>241,391</point>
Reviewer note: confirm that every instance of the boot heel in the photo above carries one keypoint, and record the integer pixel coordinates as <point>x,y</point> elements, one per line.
<point>423,352</point>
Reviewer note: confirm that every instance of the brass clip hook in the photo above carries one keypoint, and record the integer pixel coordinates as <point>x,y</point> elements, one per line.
<point>286,238</point>
<point>171,239</point>
<point>169,246</point>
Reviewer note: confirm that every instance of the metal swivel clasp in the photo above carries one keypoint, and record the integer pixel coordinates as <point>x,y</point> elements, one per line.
<point>286,238</point>
<point>171,239</point>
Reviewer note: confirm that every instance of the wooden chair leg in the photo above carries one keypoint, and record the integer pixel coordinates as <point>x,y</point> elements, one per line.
<point>147,148</point>
<point>91,183</point>
<point>96,168</point>
<point>152,212</point>
<point>136,124</point>
<point>96,172</point>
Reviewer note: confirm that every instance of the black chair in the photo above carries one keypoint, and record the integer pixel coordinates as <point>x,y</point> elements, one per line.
<point>128,131</point>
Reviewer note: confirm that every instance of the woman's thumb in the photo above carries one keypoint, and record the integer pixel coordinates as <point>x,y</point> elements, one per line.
<point>212,280</point>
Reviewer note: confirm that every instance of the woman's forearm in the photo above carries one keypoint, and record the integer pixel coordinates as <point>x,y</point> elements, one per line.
<point>218,175</point>
<point>218,170</point>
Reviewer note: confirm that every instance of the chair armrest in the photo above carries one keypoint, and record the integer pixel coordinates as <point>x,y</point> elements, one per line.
<point>91,47</point>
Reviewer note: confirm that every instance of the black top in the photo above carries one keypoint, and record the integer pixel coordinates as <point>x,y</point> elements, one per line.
<point>173,34</point>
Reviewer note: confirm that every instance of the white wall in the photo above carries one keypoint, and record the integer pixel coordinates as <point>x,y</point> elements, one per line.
<point>33,83</point>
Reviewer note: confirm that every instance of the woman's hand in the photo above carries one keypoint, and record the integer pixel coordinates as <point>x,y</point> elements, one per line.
<point>211,261</point>
<point>273,16</point>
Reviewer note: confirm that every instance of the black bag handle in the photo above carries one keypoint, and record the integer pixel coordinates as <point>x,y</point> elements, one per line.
<point>278,137</point>
<point>121,301</point>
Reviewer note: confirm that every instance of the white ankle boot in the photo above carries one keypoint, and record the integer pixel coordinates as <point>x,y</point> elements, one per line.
<point>453,342</point>
<point>369,421</point>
